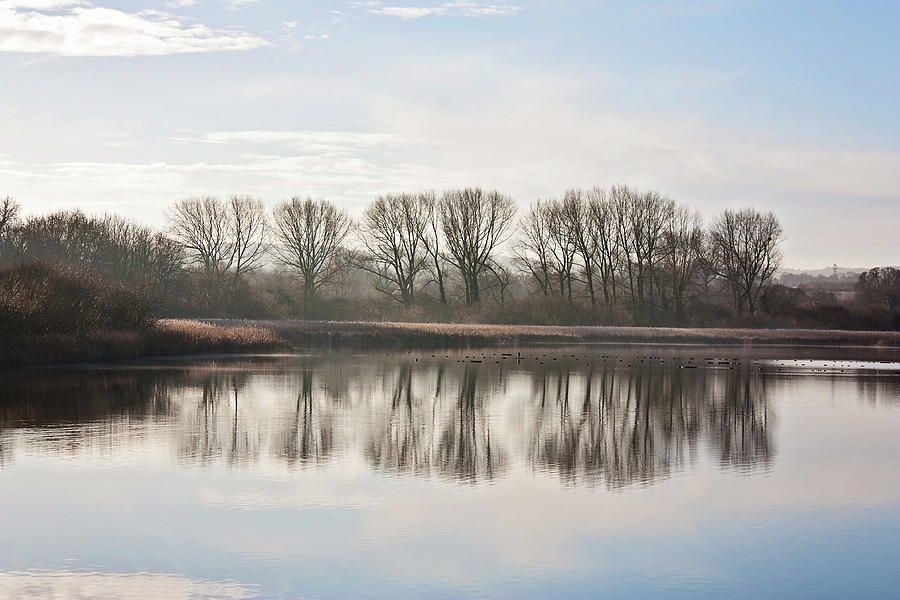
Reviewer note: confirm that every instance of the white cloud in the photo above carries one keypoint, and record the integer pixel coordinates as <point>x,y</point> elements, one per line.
<point>309,141</point>
<point>236,4</point>
<point>68,584</point>
<point>462,8</point>
<point>76,28</point>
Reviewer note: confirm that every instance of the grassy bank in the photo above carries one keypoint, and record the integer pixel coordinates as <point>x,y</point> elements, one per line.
<point>166,337</point>
<point>171,337</point>
<point>333,334</point>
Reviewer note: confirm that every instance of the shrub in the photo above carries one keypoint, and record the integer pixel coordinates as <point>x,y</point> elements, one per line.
<point>41,297</point>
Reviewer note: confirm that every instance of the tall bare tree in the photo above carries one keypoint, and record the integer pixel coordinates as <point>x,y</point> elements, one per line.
<point>249,234</point>
<point>532,249</point>
<point>433,240</point>
<point>202,226</point>
<point>641,218</point>
<point>682,247</point>
<point>309,235</point>
<point>602,229</point>
<point>576,216</point>
<point>563,248</point>
<point>393,230</point>
<point>745,252</point>
<point>474,223</point>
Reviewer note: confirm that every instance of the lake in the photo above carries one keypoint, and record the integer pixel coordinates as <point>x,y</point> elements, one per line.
<point>544,472</point>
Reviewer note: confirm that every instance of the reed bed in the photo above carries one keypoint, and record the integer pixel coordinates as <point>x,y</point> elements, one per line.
<point>166,337</point>
<point>338,334</point>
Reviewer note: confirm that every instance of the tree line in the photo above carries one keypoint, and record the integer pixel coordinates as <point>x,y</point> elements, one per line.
<point>618,247</point>
<point>598,255</point>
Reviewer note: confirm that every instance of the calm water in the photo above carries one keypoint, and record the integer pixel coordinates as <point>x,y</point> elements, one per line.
<point>671,473</point>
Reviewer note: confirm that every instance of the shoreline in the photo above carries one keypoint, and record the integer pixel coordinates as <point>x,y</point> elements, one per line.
<point>203,338</point>
<point>362,334</point>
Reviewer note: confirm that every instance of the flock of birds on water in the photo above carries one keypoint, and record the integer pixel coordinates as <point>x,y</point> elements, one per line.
<point>883,367</point>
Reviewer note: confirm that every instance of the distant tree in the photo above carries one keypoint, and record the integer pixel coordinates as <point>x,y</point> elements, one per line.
<point>641,219</point>
<point>744,250</point>
<point>393,230</point>
<point>601,229</point>
<point>682,240</point>
<point>432,237</point>
<point>9,213</point>
<point>221,238</point>
<point>309,235</point>
<point>131,252</point>
<point>249,234</point>
<point>546,249</point>
<point>880,287</point>
<point>563,247</point>
<point>532,249</point>
<point>474,223</point>
<point>576,216</point>
<point>110,246</point>
<point>499,282</point>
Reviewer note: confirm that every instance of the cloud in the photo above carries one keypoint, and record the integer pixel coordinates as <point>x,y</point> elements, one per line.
<point>77,28</point>
<point>74,584</point>
<point>349,176</point>
<point>461,8</point>
<point>311,141</point>
<point>236,4</point>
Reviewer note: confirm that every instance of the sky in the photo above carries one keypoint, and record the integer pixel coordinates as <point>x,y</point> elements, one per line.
<point>127,106</point>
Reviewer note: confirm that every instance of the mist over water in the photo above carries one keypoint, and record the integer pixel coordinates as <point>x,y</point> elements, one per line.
<point>541,472</point>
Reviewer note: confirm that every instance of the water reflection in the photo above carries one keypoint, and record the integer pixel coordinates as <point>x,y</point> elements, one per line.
<point>588,421</point>
<point>308,436</point>
<point>638,424</point>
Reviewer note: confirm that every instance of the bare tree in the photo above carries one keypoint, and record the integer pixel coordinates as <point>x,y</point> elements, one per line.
<point>562,248</point>
<point>9,212</point>
<point>641,218</point>
<point>498,285</point>
<point>681,248</point>
<point>576,216</point>
<point>393,231</point>
<point>432,238</point>
<point>602,229</point>
<point>474,223</point>
<point>745,252</point>
<point>532,249</point>
<point>221,238</point>
<point>309,235</point>
<point>249,234</point>
<point>202,226</point>
<point>129,252</point>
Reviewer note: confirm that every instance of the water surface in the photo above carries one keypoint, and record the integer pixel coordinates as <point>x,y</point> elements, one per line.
<point>657,472</point>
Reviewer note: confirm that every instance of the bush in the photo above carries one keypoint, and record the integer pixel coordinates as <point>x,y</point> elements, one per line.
<point>42,297</point>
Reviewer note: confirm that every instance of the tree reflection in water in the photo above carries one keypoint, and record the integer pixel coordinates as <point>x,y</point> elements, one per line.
<point>309,435</point>
<point>588,422</point>
<point>641,423</point>
<point>427,433</point>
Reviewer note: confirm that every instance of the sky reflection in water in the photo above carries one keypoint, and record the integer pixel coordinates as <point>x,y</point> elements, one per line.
<point>419,476</point>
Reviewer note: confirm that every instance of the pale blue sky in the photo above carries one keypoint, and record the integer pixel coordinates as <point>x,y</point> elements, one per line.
<point>791,106</point>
